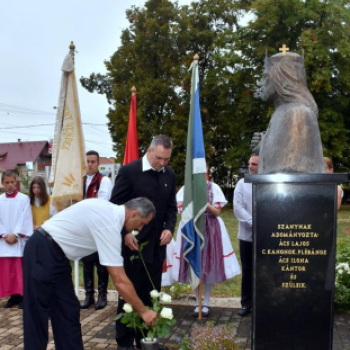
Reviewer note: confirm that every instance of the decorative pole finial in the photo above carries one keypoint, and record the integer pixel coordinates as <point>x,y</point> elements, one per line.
<point>196,57</point>
<point>284,49</point>
<point>133,91</point>
<point>72,49</point>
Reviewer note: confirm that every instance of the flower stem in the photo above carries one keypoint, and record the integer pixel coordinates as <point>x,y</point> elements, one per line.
<point>149,277</point>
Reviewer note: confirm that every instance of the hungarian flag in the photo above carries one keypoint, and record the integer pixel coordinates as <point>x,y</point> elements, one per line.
<point>195,191</point>
<point>132,145</point>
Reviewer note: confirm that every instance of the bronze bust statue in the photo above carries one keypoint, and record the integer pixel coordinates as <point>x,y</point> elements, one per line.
<point>292,142</point>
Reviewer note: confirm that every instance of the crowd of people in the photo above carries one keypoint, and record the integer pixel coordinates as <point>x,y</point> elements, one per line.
<point>36,244</point>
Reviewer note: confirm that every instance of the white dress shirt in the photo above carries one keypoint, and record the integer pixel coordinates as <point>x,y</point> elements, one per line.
<point>146,166</point>
<point>87,227</point>
<point>105,189</point>
<point>242,207</point>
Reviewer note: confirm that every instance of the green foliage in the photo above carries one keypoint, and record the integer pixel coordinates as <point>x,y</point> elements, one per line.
<point>321,30</point>
<point>24,182</point>
<point>163,324</point>
<point>157,49</point>
<point>343,252</point>
<point>177,289</point>
<point>342,278</point>
<point>209,338</point>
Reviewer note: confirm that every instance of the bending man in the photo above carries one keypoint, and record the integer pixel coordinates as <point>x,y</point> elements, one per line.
<point>82,229</point>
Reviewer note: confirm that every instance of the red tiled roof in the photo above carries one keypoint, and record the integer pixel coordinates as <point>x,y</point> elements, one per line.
<point>107,160</point>
<point>15,153</point>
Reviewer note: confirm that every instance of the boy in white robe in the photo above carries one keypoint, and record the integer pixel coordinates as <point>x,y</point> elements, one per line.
<point>16,225</point>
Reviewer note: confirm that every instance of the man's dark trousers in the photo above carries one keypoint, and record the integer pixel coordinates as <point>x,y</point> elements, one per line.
<point>246,251</point>
<point>49,292</point>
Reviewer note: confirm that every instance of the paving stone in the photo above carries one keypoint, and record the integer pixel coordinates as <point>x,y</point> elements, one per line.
<point>98,327</point>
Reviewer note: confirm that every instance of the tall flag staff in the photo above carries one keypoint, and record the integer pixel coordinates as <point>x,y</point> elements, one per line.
<point>195,191</point>
<point>132,145</point>
<point>68,151</point>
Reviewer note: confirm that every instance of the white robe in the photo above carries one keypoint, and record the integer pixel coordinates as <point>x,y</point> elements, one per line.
<point>15,217</point>
<point>231,265</point>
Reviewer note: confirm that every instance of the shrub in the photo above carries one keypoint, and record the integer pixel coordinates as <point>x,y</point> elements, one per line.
<point>209,338</point>
<point>342,278</point>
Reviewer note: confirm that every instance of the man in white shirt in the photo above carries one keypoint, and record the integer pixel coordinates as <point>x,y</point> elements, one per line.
<point>96,185</point>
<point>242,207</point>
<point>86,227</point>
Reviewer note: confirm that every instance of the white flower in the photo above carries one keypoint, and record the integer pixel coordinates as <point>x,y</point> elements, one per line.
<point>167,313</point>
<point>340,271</point>
<point>155,294</point>
<point>165,298</point>
<point>135,232</point>
<point>346,267</point>
<point>336,284</point>
<point>339,266</point>
<point>127,308</point>
<point>172,289</point>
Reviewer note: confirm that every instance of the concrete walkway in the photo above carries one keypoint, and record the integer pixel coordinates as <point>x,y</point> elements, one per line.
<point>98,327</point>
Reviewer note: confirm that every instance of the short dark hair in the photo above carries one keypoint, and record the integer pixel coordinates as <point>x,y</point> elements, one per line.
<point>161,140</point>
<point>143,205</point>
<point>43,196</point>
<point>93,153</point>
<point>9,173</point>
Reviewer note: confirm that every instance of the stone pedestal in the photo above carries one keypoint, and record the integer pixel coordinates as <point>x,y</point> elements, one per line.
<point>294,240</point>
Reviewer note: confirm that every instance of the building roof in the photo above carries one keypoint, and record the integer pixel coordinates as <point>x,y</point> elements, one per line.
<point>107,160</point>
<point>16,153</point>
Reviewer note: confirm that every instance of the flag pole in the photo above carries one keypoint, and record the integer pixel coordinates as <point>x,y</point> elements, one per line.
<point>200,300</point>
<point>72,50</point>
<point>133,91</point>
<point>195,195</point>
<point>76,262</point>
<point>196,58</point>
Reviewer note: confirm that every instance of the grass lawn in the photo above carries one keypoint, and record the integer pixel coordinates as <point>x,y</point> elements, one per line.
<point>232,287</point>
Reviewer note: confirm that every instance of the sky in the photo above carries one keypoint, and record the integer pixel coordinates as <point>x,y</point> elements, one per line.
<point>34,39</point>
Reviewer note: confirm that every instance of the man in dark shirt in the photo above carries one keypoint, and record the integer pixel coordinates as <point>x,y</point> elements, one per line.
<point>149,177</point>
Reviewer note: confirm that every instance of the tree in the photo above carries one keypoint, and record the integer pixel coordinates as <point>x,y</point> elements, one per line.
<point>320,29</point>
<point>158,47</point>
<point>152,57</point>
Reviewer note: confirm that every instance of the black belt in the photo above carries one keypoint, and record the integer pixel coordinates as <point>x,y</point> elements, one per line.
<point>49,238</point>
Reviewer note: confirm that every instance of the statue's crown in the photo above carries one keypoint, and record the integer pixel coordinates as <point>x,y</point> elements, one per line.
<point>290,57</point>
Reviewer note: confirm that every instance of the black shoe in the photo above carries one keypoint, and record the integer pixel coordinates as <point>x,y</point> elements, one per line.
<point>89,300</point>
<point>14,300</point>
<point>205,313</point>
<point>103,276</point>
<point>88,274</point>
<point>195,312</point>
<point>245,311</point>
<point>101,302</point>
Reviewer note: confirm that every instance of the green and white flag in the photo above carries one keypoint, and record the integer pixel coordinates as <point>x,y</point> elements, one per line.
<point>195,191</point>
